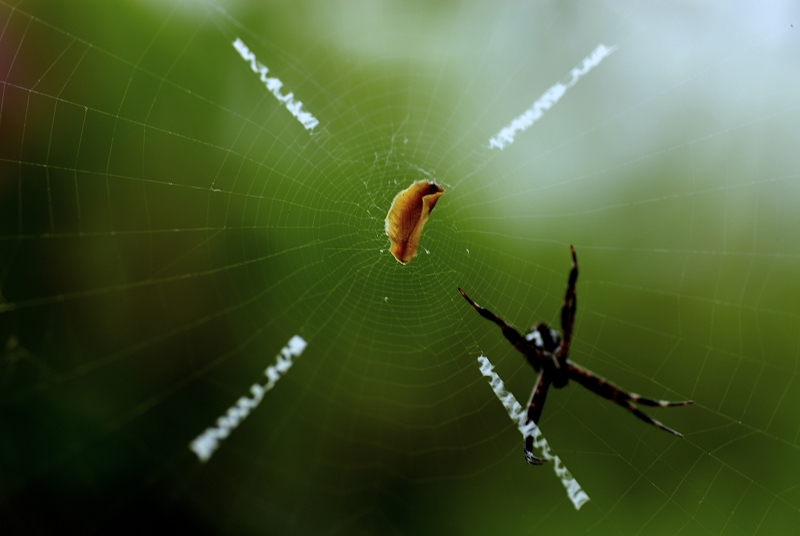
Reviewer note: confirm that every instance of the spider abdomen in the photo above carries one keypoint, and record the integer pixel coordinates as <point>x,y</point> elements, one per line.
<point>544,337</point>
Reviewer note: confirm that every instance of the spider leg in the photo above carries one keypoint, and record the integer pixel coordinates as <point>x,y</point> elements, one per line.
<point>538,395</point>
<point>535,407</point>
<point>608,390</point>
<point>536,402</point>
<point>646,418</point>
<point>653,403</point>
<point>513,336</point>
<point>568,308</point>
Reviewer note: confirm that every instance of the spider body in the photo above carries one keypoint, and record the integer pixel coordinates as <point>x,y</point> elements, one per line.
<point>547,352</point>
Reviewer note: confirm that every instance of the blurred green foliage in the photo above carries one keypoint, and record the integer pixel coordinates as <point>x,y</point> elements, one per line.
<point>166,226</point>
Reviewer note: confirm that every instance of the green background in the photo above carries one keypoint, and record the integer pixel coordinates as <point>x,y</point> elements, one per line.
<point>166,227</point>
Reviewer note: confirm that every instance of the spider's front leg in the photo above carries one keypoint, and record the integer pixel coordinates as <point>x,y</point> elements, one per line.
<point>535,407</point>
<point>608,390</point>
<point>533,356</point>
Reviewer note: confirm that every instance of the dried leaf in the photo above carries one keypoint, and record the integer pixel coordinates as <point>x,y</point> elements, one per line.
<point>407,216</point>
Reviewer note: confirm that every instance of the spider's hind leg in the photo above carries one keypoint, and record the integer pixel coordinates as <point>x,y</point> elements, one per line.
<point>568,308</point>
<point>513,336</point>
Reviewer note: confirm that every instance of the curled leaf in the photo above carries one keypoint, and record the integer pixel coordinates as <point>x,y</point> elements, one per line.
<point>407,216</point>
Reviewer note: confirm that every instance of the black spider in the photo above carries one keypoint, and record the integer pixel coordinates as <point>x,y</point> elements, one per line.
<point>547,351</point>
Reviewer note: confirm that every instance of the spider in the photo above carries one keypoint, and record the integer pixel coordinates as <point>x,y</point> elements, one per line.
<point>547,351</point>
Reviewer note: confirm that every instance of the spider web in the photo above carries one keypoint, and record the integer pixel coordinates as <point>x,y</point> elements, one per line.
<point>167,225</point>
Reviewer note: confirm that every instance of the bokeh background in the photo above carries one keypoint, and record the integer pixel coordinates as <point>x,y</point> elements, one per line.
<point>166,226</point>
